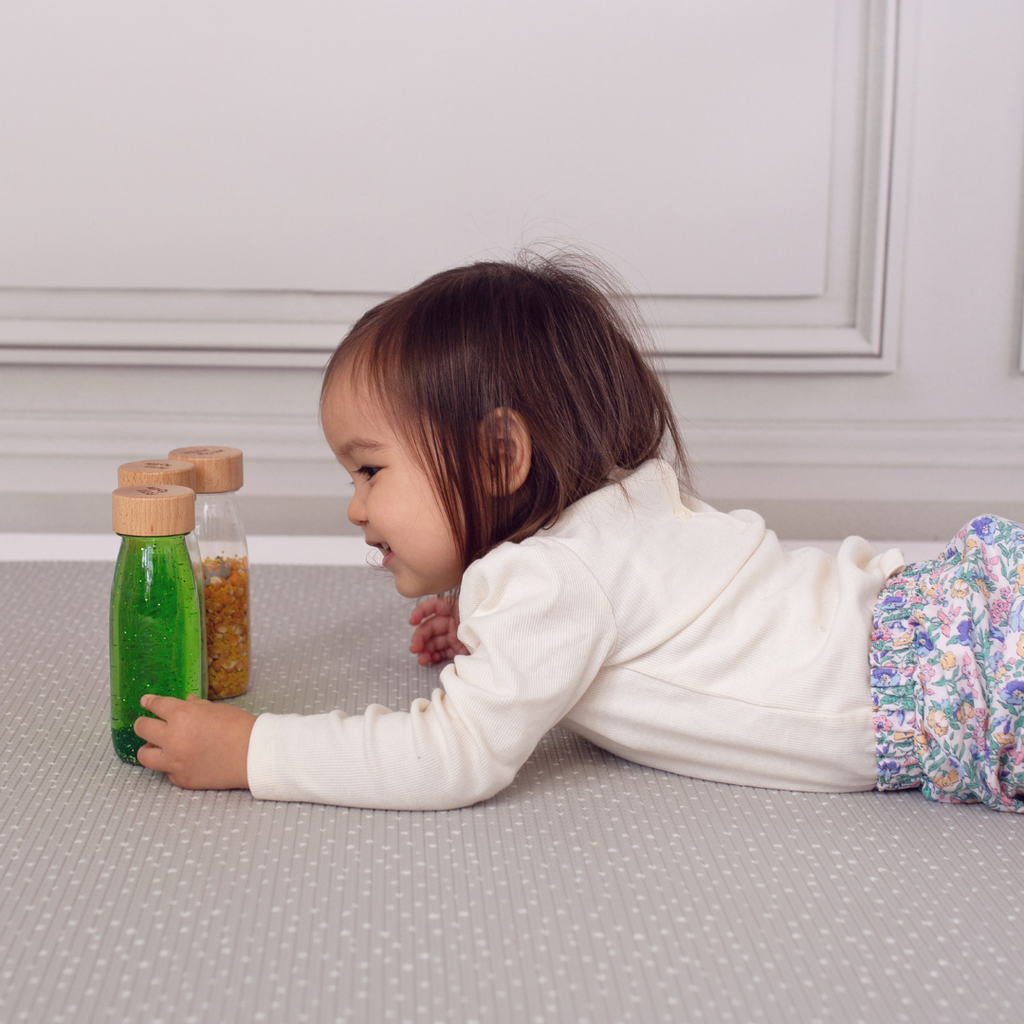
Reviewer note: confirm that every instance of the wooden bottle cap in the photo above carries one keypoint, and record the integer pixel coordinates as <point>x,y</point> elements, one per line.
<point>155,510</point>
<point>217,469</point>
<point>157,471</point>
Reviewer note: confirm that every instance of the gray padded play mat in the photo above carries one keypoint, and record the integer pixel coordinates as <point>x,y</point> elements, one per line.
<point>592,891</point>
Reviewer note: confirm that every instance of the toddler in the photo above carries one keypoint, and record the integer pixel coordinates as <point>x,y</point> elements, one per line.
<point>517,463</point>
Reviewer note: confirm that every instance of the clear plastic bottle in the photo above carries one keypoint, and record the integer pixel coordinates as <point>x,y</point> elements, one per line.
<point>156,629</point>
<point>181,474</point>
<point>225,558</point>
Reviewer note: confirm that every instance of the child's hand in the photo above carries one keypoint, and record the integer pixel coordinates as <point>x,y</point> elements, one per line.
<point>198,744</point>
<point>435,639</point>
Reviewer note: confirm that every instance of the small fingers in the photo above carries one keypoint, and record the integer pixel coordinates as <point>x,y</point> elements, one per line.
<point>429,652</point>
<point>149,729</point>
<point>431,606</point>
<point>441,649</point>
<point>150,756</point>
<point>426,642</point>
<point>427,632</point>
<point>159,706</point>
<point>420,612</point>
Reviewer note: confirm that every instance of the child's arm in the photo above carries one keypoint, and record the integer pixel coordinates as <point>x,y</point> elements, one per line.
<point>198,744</point>
<point>539,629</point>
<point>436,639</point>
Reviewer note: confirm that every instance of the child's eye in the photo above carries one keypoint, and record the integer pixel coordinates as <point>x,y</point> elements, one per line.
<point>369,472</point>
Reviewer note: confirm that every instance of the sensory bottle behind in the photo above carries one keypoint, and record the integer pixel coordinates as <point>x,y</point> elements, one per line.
<point>225,557</point>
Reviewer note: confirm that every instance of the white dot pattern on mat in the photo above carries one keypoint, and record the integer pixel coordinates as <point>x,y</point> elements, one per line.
<point>592,891</point>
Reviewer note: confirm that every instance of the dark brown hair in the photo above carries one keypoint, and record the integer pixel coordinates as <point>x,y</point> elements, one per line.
<point>543,337</point>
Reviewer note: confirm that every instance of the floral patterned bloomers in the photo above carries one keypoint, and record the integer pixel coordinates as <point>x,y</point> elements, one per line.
<point>947,671</point>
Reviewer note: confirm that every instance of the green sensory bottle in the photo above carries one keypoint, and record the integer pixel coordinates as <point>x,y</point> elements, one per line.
<point>169,471</point>
<point>156,626</point>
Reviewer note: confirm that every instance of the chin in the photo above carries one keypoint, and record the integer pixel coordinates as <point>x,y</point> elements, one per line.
<point>421,588</point>
<point>408,589</point>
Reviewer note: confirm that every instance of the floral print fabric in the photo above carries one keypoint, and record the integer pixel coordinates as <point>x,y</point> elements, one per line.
<point>947,671</point>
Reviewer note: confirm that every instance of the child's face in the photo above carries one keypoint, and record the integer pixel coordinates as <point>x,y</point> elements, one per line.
<point>394,502</point>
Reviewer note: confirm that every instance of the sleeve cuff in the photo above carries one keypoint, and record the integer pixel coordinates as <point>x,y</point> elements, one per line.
<point>259,765</point>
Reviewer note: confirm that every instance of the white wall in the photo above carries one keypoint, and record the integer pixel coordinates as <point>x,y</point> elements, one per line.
<point>332,145</point>
<point>933,412</point>
<point>948,424</point>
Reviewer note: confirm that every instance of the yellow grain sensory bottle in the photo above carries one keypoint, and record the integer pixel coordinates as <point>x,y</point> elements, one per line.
<point>225,558</point>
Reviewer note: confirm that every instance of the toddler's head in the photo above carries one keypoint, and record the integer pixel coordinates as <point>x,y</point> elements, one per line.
<point>516,388</point>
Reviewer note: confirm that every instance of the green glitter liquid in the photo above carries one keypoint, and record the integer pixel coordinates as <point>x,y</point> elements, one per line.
<point>156,633</point>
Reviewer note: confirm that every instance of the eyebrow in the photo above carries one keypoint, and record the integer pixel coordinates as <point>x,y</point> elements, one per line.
<point>358,444</point>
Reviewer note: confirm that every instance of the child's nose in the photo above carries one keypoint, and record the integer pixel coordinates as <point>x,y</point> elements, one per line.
<point>357,512</point>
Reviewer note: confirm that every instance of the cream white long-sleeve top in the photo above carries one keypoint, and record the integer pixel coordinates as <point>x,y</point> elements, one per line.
<point>662,630</point>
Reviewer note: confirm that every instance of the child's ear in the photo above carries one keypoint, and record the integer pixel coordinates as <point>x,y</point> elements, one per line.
<point>508,450</point>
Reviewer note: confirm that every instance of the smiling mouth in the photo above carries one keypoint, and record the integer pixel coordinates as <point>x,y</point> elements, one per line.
<point>385,549</point>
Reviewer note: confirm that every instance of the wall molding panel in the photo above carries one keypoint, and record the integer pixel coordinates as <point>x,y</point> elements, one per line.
<point>136,327</point>
<point>851,326</point>
<point>848,325</point>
